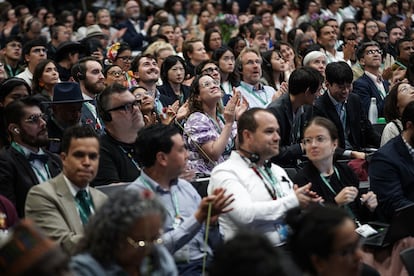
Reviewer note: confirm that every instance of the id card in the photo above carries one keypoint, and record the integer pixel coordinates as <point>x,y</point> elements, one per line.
<point>365,230</point>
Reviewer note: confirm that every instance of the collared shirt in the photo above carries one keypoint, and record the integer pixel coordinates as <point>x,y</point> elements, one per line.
<point>185,242</point>
<point>39,168</point>
<point>75,189</point>
<point>256,97</point>
<point>378,83</point>
<point>137,26</point>
<point>349,12</point>
<point>26,75</point>
<point>253,206</point>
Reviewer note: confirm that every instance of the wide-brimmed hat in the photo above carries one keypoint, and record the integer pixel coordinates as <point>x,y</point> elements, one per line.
<point>67,92</point>
<point>67,47</point>
<point>93,31</point>
<point>390,2</point>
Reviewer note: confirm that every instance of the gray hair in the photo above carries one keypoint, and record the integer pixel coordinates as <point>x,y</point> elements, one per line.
<point>112,222</point>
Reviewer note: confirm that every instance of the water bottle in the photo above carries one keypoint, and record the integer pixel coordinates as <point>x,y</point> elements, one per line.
<point>373,111</point>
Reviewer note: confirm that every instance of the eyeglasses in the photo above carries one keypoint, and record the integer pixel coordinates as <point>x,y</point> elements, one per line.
<point>126,59</point>
<point>35,118</point>
<point>126,107</point>
<point>318,139</point>
<point>372,27</point>
<point>208,84</point>
<point>140,244</point>
<point>116,73</point>
<point>252,62</point>
<point>372,52</point>
<point>210,70</point>
<point>39,50</point>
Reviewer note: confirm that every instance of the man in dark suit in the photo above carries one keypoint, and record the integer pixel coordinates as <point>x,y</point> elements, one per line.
<point>370,84</point>
<point>344,109</point>
<point>24,163</point>
<point>136,29</point>
<point>293,111</point>
<point>88,73</point>
<point>391,171</point>
<point>62,206</point>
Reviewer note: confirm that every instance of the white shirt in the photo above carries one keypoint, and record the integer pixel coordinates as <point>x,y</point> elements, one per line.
<point>256,98</point>
<point>27,76</point>
<point>253,207</point>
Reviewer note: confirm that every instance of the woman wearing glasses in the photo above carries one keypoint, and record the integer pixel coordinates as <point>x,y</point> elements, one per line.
<point>114,73</point>
<point>336,183</point>
<point>120,54</point>
<point>210,131</point>
<point>123,238</point>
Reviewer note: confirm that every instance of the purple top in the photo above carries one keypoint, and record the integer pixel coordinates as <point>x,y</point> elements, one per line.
<point>202,129</point>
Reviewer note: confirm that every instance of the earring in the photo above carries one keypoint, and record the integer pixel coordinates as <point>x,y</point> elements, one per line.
<point>41,83</point>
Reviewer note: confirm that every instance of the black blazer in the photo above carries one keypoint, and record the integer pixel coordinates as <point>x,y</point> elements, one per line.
<point>169,96</point>
<point>361,132</point>
<point>309,173</point>
<point>366,89</point>
<point>132,37</point>
<point>290,150</point>
<point>17,175</point>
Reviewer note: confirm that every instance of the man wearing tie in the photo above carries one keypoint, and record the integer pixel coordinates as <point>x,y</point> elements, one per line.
<point>24,163</point>
<point>63,205</point>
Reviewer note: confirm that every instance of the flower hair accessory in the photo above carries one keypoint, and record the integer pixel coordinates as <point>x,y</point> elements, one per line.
<point>112,51</point>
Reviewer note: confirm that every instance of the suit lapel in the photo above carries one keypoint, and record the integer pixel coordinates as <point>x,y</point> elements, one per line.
<point>68,205</point>
<point>25,165</point>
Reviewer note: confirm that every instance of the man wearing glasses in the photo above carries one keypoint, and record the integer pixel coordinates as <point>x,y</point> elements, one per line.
<point>370,84</point>
<point>120,111</point>
<point>34,51</point>
<point>24,163</point>
<point>12,52</point>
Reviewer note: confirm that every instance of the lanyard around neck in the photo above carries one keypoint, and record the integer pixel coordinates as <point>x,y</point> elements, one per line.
<point>251,92</point>
<point>130,157</point>
<point>174,198</point>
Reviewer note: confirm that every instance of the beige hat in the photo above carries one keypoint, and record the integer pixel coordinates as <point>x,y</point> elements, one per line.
<point>94,30</point>
<point>390,2</point>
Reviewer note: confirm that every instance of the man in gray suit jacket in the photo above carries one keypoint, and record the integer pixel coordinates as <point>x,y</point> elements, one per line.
<point>63,205</point>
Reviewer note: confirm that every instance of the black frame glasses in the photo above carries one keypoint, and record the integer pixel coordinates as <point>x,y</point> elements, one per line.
<point>126,107</point>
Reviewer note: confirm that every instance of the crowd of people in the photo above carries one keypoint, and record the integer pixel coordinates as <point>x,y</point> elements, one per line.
<point>270,101</point>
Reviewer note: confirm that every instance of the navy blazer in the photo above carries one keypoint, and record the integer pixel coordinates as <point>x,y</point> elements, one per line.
<point>391,175</point>
<point>131,36</point>
<point>17,175</point>
<point>290,150</point>
<point>366,89</point>
<point>169,97</point>
<point>361,132</point>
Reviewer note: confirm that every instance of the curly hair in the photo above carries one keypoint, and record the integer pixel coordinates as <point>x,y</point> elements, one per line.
<point>196,105</point>
<point>112,222</point>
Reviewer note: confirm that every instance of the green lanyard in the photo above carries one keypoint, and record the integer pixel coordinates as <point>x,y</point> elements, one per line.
<point>37,171</point>
<point>268,175</point>
<point>348,209</point>
<point>251,92</point>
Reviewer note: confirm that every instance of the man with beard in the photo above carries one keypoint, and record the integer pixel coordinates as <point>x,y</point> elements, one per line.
<point>24,163</point>
<point>391,171</point>
<point>262,191</point>
<point>147,73</point>
<point>120,111</point>
<point>136,29</point>
<point>88,72</point>
<point>249,64</point>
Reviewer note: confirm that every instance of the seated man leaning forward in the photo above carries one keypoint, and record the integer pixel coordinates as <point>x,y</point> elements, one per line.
<point>262,191</point>
<point>62,205</point>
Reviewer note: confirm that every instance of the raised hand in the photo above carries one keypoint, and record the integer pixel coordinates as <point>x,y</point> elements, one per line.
<point>346,195</point>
